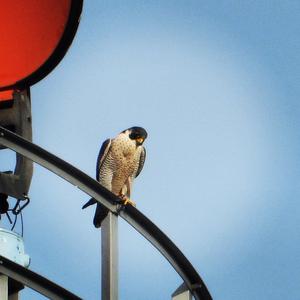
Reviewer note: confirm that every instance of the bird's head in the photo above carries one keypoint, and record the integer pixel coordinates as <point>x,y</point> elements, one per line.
<point>138,134</point>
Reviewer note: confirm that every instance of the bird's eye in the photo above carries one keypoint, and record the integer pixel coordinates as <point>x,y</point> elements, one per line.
<point>132,136</point>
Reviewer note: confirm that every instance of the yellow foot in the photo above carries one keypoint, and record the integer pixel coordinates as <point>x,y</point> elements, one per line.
<point>126,201</point>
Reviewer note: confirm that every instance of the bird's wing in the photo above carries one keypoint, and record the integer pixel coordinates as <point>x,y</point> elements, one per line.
<point>101,156</point>
<point>141,162</point>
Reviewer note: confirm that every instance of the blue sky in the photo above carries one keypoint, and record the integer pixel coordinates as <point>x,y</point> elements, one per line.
<point>216,85</point>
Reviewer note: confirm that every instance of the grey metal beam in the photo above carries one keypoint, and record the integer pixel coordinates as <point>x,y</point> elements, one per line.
<point>133,216</point>
<point>109,262</point>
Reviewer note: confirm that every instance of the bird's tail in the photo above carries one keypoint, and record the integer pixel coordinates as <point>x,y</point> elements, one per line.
<point>100,214</point>
<point>90,202</point>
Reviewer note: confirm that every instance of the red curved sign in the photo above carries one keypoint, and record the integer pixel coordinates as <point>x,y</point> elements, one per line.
<point>34,35</point>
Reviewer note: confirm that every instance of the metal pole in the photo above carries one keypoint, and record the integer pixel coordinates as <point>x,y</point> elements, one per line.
<point>14,296</point>
<point>3,287</point>
<point>109,255</point>
<point>182,293</point>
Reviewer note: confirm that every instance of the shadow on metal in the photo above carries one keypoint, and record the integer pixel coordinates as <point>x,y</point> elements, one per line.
<point>129,213</point>
<point>34,281</point>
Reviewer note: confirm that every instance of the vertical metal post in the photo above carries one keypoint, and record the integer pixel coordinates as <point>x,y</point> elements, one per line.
<point>3,287</point>
<point>14,296</point>
<point>109,255</point>
<point>182,293</point>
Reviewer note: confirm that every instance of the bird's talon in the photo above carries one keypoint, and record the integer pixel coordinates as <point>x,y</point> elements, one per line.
<point>126,201</point>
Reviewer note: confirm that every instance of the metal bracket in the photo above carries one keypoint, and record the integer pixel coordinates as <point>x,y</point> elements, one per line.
<point>15,115</point>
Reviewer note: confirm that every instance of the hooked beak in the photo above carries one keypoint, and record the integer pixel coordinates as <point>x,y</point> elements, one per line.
<point>140,140</point>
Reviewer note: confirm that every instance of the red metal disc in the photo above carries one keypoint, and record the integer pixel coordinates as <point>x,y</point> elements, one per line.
<point>35,35</point>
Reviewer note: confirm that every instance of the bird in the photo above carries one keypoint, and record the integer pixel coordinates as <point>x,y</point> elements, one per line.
<point>119,162</point>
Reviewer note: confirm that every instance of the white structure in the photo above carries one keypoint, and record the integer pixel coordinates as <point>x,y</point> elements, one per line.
<point>12,247</point>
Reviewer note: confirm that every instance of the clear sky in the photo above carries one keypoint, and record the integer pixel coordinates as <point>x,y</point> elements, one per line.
<point>216,85</point>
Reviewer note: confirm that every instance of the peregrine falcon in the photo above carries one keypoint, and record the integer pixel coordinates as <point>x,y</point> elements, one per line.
<point>120,160</point>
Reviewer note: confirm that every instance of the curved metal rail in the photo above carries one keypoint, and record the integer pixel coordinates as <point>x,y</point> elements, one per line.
<point>129,213</point>
<point>35,281</point>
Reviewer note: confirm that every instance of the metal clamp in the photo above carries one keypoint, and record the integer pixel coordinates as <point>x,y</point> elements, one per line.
<point>16,117</point>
